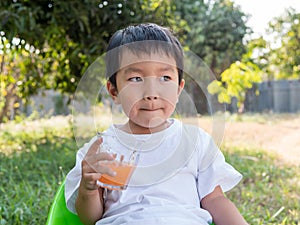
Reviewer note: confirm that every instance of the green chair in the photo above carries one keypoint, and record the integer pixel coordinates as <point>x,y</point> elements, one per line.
<point>59,214</point>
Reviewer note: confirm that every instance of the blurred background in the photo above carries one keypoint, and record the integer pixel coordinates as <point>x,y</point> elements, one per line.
<point>252,47</point>
<point>46,46</point>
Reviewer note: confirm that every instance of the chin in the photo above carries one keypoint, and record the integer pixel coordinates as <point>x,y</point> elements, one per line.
<point>156,122</point>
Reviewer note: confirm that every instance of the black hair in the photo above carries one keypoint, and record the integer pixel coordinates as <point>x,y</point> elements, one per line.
<point>147,38</point>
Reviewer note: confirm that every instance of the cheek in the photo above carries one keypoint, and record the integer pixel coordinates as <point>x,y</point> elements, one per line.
<point>170,95</point>
<point>129,97</point>
<point>128,106</point>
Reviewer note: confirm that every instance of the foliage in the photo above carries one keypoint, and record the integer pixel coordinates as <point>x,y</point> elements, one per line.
<point>35,160</point>
<point>263,60</point>
<point>241,75</point>
<point>277,54</point>
<point>70,35</point>
<point>20,74</point>
<point>257,53</point>
<point>215,31</point>
<point>237,79</point>
<point>284,55</point>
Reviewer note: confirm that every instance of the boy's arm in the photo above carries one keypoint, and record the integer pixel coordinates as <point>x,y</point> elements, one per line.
<point>89,203</point>
<point>223,211</point>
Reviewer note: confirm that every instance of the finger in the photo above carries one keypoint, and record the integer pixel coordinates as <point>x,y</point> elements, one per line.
<point>97,164</point>
<point>94,147</point>
<point>103,168</point>
<point>89,181</point>
<point>91,177</point>
<point>95,158</point>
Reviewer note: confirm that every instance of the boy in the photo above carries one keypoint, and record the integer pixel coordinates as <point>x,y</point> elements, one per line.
<point>186,173</point>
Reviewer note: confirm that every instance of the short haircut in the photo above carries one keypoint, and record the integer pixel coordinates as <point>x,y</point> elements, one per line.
<point>142,39</point>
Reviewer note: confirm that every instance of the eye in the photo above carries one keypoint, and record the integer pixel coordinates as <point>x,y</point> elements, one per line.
<point>165,78</point>
<point>135,79</point>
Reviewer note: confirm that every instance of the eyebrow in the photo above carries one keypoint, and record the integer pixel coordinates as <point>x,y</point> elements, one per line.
<point>138,70</point>
<point>132,69</point>
<point>168,68</point>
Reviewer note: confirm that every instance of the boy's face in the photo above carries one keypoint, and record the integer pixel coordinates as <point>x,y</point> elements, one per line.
<point>147,89</point>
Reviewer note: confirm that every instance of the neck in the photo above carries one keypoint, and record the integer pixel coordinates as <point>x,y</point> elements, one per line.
<point>133,128</point>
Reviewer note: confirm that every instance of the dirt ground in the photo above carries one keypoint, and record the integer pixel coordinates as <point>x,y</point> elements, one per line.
<point>276,134</point>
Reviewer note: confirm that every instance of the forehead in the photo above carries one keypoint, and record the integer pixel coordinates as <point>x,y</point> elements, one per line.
<point>128,58</point>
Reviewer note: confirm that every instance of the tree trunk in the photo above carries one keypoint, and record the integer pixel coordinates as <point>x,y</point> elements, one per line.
<point>8,100</point>
<point>213,64</point>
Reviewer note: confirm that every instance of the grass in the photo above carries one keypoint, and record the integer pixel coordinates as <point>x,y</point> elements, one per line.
<point>36,155</point>
<point>33,163</point>
<point>269,192</point>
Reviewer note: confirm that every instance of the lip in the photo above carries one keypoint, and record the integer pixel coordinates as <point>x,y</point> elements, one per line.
<point>150,110</point>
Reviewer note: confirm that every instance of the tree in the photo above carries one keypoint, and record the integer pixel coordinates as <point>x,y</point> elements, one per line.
<point>81,29</point>
<point>257,53</point>
<point>284,56</point>
<point>237,78</point>
<point>241,75</point>
<point>20,74</point>
<point>216,29</point>
<point>69,35</point>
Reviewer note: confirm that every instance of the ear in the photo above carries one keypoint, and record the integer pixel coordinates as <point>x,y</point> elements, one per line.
<point>180,87</point>
<point>113,92</point>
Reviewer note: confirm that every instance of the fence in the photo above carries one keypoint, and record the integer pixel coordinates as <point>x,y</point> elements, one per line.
<point>282,96</point>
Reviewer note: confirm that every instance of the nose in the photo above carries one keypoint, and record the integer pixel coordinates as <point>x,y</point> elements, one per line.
<point>151,90</point>
<point>150,98</point>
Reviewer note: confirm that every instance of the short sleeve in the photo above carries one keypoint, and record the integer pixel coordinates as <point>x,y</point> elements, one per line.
<point>73,178</point>
<point>216,170</point>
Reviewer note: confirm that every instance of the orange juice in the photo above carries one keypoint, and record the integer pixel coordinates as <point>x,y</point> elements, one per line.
<point>120,181</point>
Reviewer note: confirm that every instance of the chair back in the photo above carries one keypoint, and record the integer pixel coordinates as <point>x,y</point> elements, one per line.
<point>59,214</point>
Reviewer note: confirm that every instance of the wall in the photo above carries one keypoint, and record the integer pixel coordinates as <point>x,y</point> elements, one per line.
<point>282,96</point>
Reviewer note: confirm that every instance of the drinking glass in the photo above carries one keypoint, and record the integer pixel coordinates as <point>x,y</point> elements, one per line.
<point>124,169</point>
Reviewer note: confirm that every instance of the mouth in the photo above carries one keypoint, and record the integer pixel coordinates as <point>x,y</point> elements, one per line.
<point>150,110</point>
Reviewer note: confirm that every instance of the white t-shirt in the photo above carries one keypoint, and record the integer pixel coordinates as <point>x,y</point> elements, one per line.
<point>177,167</point>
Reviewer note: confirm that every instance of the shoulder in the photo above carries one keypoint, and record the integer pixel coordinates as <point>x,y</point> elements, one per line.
<point>198,133</point>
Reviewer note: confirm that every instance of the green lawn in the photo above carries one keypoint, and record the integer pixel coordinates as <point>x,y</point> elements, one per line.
<point>36,155</point>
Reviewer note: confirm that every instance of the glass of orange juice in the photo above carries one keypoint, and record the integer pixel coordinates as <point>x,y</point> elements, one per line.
<point>122,168</point>
<point>120,181</point>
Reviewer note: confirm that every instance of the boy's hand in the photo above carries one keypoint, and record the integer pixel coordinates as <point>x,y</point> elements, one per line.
<point>92,168</point>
